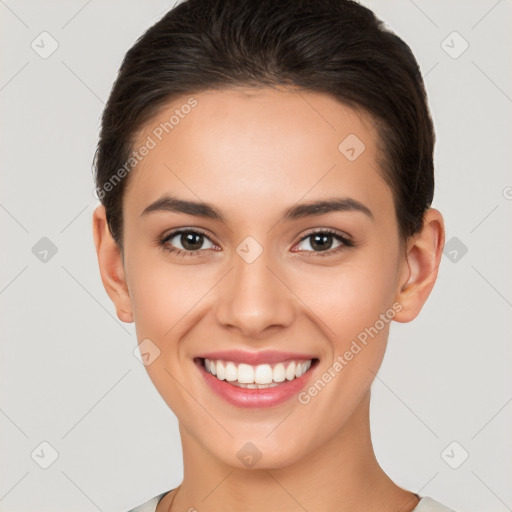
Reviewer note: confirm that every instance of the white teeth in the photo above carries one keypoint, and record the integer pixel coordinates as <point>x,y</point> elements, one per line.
<point>263,374</point>
<point>279,373</point>
<point>245,373</point>
<point>221,371</point>
<point>290,371</point>
<point>256,377</point>
<point>254,386</point>
<point>231,372</point>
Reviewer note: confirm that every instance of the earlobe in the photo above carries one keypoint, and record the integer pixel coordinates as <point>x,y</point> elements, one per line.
<point>111,266</point>
<point>424,254</point>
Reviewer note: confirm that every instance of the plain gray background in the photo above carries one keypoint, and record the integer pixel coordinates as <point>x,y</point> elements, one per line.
<point>69,377</point>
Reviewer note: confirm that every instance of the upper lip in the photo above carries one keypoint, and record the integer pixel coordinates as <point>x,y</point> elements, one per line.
<point>254,358</point>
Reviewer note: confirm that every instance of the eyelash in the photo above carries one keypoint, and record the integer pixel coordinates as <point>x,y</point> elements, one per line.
<point>345,242</point>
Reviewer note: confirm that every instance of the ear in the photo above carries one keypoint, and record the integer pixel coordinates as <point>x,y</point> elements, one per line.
<point>424,252</point>
<point>110,261</point>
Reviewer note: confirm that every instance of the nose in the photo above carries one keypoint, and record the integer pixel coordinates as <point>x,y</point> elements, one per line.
<point>254,298</point>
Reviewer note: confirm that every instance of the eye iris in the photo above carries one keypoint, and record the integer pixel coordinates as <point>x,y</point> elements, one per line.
<point>321,241</point>
<point>191,241</point>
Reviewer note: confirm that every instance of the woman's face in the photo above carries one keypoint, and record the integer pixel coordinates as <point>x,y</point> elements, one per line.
<point>254,281</point>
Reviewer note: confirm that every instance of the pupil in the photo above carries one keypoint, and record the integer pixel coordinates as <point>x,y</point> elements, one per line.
<point>320,241</point>
<point>192,240</point>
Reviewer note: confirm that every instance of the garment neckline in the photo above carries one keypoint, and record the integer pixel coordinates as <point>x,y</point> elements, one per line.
<point>420,498</point>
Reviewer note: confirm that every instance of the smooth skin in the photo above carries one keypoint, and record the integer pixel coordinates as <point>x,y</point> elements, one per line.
<point>252,153</point>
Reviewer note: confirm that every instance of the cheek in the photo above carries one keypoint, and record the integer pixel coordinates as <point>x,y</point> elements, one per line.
<point>162,294</point>
<point>349,298</point>
<point>355,306</point>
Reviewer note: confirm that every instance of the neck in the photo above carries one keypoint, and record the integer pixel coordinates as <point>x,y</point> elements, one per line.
<point>342,475</point>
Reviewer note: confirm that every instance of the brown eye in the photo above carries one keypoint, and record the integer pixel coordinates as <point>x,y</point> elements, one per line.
<point>191,241</point>
<point>324,241</point>
<point>186,242</point>
<point>321,241</point>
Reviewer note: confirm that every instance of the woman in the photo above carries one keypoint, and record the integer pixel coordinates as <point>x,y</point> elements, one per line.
<point>265,171</point>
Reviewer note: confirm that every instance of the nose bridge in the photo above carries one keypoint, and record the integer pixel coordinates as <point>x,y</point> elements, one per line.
<point>253,297</point>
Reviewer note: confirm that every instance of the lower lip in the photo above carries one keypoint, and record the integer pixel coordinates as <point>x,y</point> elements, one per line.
<point>245,397</point>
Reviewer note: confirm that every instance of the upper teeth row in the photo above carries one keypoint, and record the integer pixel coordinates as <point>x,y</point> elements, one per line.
<point>260,374</point>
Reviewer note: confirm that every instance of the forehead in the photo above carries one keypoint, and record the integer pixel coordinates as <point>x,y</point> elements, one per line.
<point>257,147</point>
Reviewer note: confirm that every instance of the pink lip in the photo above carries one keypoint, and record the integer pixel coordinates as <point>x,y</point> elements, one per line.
<point>253,398</point>
<point>255,358</point>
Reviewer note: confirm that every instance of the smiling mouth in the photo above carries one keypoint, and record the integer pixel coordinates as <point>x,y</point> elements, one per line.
<point>260,376</point>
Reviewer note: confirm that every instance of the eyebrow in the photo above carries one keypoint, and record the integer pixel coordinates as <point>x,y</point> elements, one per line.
<point>313,208</point>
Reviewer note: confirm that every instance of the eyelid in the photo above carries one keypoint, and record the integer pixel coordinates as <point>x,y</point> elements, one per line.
<point>344,239</point>
<point>186,229</point>
<point>163,242</point>
<point>330,231</point>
